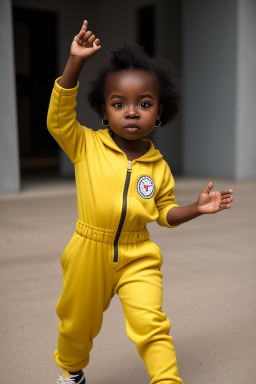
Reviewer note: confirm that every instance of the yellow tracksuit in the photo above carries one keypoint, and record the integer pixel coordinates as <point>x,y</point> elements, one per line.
<point>111,252</point>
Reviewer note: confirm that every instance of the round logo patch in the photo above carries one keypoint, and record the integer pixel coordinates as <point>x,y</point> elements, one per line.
<point>146,187</point>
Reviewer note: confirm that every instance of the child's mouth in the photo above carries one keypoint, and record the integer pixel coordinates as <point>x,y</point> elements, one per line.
<point>132,128</point>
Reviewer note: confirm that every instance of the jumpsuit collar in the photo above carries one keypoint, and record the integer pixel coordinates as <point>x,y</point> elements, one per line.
<point>151,155</point>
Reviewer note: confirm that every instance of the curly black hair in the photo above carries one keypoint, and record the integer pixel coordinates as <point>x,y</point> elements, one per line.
<point>132,56</point>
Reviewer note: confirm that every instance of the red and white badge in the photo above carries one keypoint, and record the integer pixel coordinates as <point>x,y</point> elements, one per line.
<point>146,187</point>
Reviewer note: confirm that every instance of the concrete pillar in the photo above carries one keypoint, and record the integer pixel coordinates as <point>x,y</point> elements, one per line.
<point>246,91</point>
<point>219,56</point>
<point>9,157</point>
<point>209,85</point>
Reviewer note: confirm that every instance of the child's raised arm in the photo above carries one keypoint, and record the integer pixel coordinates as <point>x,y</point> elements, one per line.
<point>84,46</point>
<point>208,202</point>
<point>61,118</point>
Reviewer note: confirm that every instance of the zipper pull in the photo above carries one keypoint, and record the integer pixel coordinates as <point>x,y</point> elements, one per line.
<point>129,168</point>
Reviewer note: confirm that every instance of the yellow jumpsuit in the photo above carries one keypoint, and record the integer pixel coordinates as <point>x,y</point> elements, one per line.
<point>110,251</point>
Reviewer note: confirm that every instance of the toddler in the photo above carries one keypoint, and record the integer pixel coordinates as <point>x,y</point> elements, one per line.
<point>122,183</point>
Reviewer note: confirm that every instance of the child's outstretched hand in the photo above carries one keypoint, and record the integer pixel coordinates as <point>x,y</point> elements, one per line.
<point>85,44</point>
<point>212,202</point>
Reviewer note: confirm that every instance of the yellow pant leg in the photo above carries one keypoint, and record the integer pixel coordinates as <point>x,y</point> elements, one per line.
<point>87,291</point>
<point>140,291</point>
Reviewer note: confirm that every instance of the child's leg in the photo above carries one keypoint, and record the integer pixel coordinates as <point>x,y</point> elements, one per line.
<point>140,290</point>
<point>87,291</point>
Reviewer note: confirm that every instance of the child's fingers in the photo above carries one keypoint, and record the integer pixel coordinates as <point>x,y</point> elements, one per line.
<point>79,38</point>
<point>228,191</point>
<point>88,39</point>
<point>96,46</point>
<point>83,30</point>
<point>208,188</point>
<point>91,39</point>
<point>87,35</point>
<point>224,197</point>
<point>224,206</point>
<point>227,200</point>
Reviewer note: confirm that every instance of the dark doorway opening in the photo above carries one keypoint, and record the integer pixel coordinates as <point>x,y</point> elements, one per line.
<point>35,44</point>
<point>146,28</point>
<point>146,35</point>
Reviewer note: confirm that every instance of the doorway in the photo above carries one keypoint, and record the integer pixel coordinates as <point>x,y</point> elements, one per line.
<point>146,35</point>
<point>146,28</point>
<point>35,46</point>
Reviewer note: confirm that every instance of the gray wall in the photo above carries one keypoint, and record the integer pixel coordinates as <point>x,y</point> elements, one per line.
<point>9,161</point>
<point>216,60</point>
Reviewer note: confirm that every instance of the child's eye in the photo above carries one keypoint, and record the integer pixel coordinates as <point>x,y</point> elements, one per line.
<point>118,104</point>
<point>145,104</point>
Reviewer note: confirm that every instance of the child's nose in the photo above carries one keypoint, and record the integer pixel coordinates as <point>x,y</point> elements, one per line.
<point>132,112</point>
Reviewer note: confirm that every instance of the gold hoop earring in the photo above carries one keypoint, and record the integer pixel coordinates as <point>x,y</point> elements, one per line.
<point>158,123</point>
<point>105,123</point>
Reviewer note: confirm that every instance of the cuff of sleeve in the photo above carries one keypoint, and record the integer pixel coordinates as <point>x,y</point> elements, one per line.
<point>162,220</point>
<point>64,91</point>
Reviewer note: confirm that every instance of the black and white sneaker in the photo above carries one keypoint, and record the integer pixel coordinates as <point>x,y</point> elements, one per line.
<point>74,378</point>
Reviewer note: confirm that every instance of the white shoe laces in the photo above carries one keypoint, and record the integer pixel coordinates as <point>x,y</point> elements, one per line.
<point>69,380</point>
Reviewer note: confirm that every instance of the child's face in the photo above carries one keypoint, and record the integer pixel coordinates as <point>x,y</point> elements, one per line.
<point>132,103</point>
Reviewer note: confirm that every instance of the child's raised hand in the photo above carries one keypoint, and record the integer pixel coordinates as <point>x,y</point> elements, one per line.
<point>85,44</point>
<point>212,202</point>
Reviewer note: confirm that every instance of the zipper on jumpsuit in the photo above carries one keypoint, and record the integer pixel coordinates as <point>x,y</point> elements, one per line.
<point>124,209</point>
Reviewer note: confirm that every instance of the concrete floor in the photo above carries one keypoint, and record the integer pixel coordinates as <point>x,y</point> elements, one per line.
<point>209,290</point>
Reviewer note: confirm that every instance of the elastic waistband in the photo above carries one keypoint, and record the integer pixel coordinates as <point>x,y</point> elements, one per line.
<point>107,236</point>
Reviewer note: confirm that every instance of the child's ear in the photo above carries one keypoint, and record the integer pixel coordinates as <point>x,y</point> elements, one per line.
<point>160,110</point>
